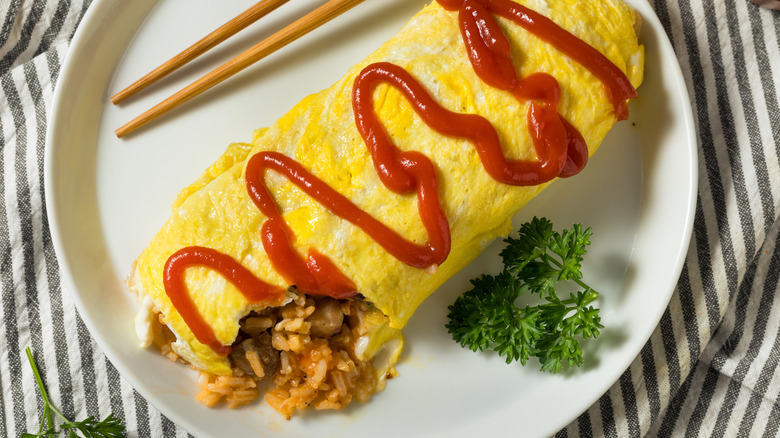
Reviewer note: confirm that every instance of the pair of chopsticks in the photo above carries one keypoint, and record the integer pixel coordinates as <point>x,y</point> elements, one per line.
<point>300,27</point>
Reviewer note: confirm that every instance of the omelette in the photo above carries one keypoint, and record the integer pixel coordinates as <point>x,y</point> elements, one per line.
<point>297,258</point>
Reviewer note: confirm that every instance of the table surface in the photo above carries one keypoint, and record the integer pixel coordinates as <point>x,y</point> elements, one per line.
<point>709,369</point>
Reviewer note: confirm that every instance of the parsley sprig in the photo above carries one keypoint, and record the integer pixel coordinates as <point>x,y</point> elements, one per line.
<point>487,318</point>
<point>110,427</point>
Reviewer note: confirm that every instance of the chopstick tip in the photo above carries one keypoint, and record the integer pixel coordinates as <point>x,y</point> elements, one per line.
<point>124,130</point>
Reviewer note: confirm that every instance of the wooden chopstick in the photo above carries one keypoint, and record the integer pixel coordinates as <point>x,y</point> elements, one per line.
<point>300,27</point>
<point>256,12</point>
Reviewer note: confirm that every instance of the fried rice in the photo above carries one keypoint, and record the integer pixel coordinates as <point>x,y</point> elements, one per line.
<point>300,355</point>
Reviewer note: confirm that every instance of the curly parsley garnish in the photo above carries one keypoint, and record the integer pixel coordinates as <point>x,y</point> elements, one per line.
<point>110,427</point>
<point>486,317</point>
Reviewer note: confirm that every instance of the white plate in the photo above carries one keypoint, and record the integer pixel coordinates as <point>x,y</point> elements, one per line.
<point>106,199</point>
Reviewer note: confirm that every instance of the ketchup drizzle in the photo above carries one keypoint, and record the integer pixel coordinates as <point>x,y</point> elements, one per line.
<point>616,84</point>
<point>254,289</point>
<point>560,147</point>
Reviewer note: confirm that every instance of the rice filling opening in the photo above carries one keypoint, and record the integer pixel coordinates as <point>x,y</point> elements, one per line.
<point>310,352</point>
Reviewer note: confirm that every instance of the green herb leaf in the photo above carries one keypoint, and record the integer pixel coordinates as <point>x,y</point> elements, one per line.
<point>110,427</point>
<point>486,317</point>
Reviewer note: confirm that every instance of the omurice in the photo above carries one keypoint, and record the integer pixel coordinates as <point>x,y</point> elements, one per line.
<point>297,258</point>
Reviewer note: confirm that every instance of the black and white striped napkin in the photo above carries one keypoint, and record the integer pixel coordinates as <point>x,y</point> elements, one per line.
<point>710,368</point>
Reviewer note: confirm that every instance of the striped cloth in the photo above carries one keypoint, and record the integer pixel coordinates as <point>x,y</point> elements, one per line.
<point>709,369</point>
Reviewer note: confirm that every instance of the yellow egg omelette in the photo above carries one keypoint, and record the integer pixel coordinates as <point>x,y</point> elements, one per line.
<point>324,352</point>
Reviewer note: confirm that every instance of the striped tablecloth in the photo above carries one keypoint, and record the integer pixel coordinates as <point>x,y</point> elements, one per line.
<point>709,369</point>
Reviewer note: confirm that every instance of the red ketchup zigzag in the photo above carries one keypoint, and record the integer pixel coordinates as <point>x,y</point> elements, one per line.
<point>561,150</point>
